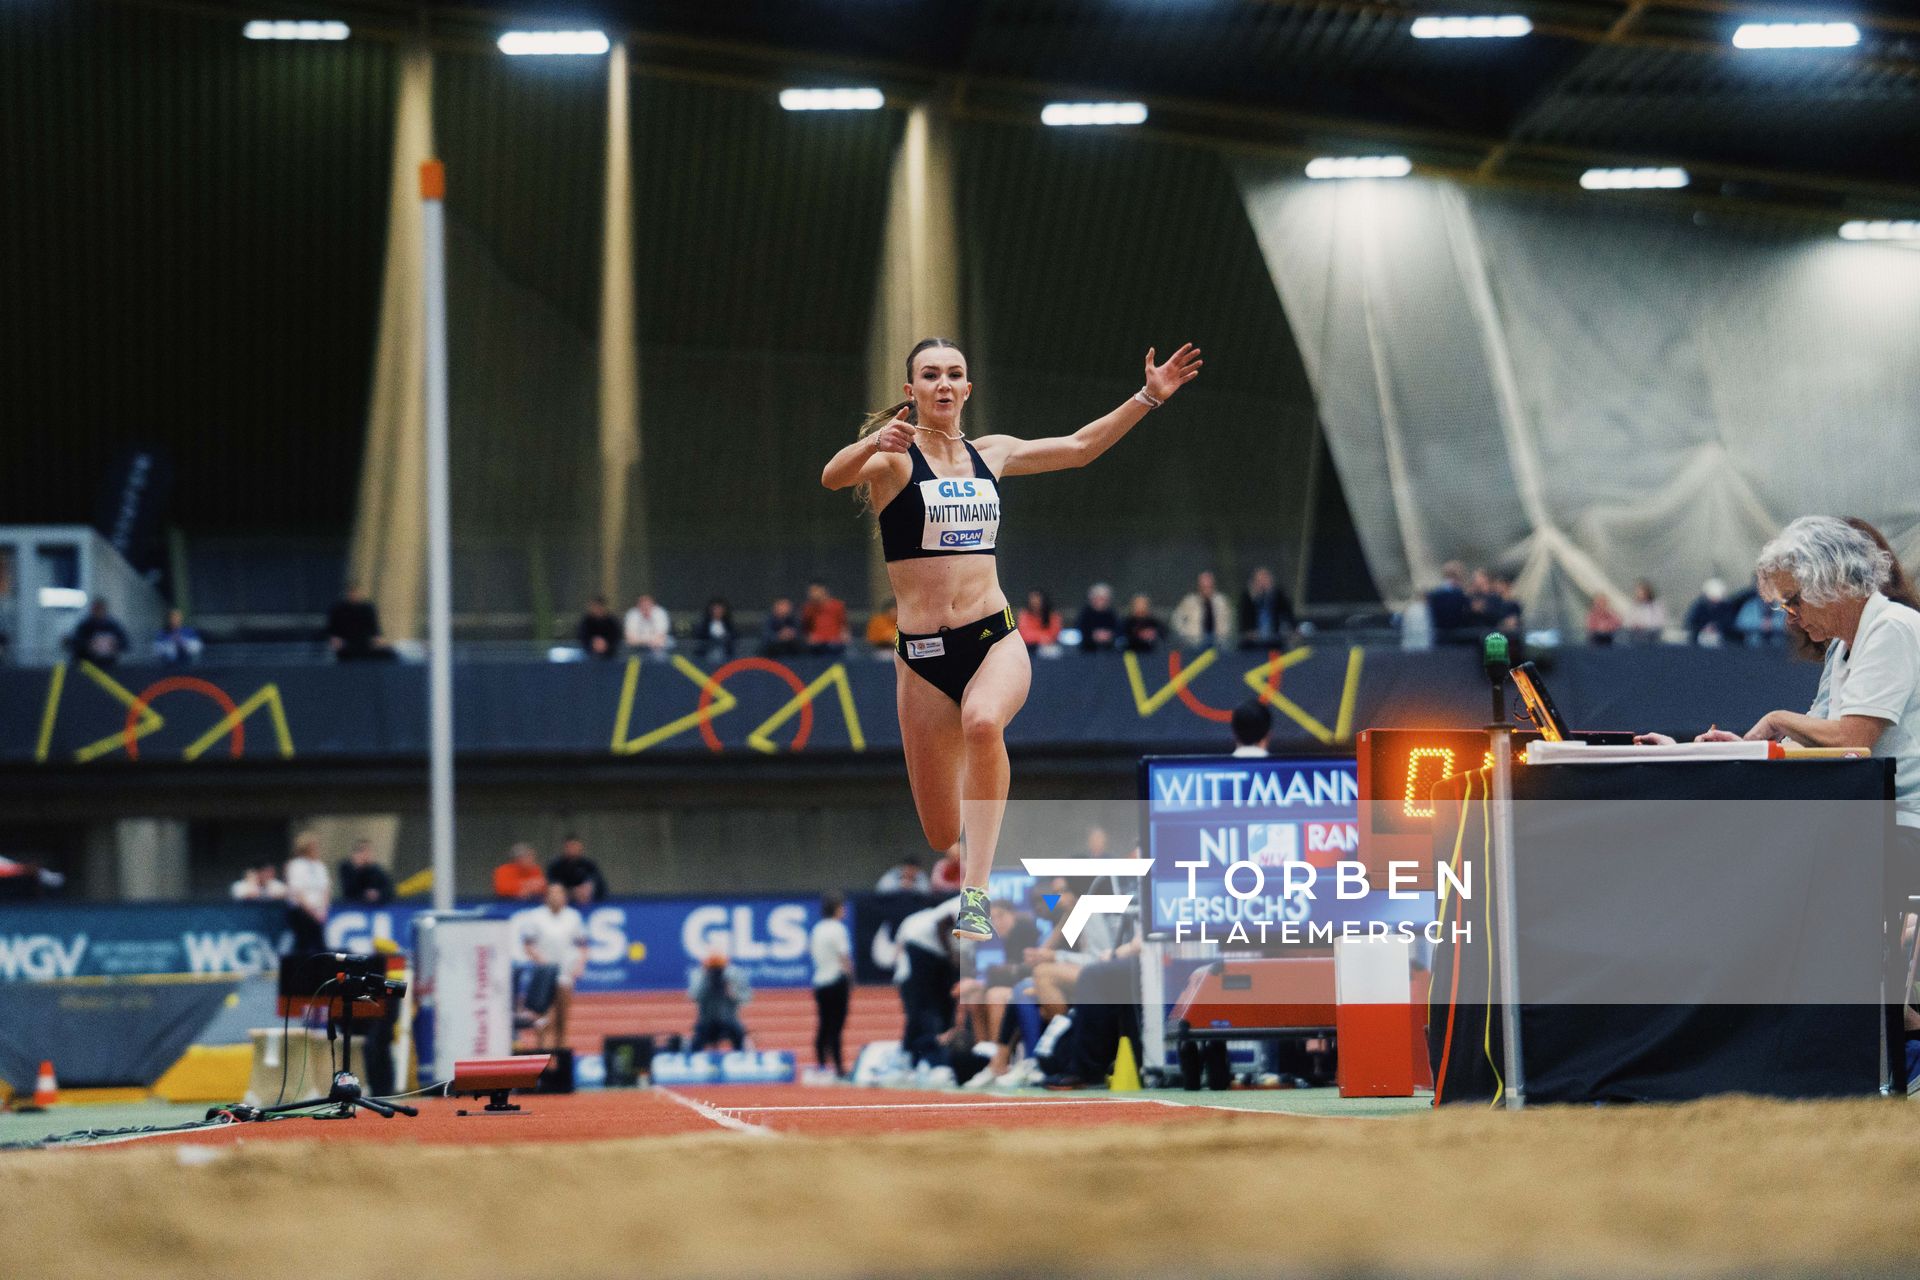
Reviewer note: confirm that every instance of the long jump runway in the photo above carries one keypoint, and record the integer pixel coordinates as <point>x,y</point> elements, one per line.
<point>768,1111</point>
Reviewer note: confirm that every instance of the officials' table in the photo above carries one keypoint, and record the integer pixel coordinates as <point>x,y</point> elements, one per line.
<point>1684,929</point>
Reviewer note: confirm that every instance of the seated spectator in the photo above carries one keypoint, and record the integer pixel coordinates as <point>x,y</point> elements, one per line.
<point>1756,623</point>
<point>718,988</point>
<point>1646,615</point>
<point>780,636</point>
<point>909,877</point>
<point>648,628</point>
<point>520,877</point>
<point>1502,608</point>
<point>824,619</point>
<point>1449,607</point>
<point>99,639</point>
<point>554,937</point>
<point>178,644</point>
<point>1098,624</point>
<point>1709,620</point>
<point>599,630</point>
<point>353,628</point>
<point>883,628</point>
<point>258,884</point>
<point>950,873</point>
<point>577,873</point>
<point>1143,630</point>
<point>1266,615</point>
<point>362,879</point>
<point>1602,622</point>
<point>716,635</point>
<point>1039,621</point>
<point>1203,618</point>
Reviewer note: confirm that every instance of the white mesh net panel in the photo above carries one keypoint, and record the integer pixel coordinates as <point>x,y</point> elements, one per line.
<point>1587,392</point>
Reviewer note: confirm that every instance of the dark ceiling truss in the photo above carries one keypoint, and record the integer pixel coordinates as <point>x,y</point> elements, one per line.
<point>1599,83</point>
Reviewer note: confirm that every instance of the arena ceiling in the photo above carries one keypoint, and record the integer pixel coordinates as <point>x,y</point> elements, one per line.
<point>1597,83</point>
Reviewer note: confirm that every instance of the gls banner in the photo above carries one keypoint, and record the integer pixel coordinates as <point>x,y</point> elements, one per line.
<point>639,944</point>
<point>47,941</point>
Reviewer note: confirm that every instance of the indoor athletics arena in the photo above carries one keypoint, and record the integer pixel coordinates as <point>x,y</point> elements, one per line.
<point>531,745</point>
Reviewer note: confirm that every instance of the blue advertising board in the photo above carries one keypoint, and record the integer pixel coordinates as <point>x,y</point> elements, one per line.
<point>639,944</point>
<point>44,941</point>
<point>1282,830</point>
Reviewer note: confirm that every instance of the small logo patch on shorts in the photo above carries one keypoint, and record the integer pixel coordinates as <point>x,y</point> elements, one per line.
<point>934,648</point>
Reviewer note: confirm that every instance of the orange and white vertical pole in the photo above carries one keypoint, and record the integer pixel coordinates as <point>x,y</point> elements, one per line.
<point>433,195</point>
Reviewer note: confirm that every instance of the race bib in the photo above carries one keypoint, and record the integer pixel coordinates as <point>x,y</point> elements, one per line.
<point>934,648</point>
<point>962,515</point>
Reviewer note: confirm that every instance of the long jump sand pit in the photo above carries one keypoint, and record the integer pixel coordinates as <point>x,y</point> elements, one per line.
<point>1732,1187</point>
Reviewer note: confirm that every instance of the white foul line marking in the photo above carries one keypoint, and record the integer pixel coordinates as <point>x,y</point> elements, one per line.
<point>717,1116</point>
<point>939,1106</point>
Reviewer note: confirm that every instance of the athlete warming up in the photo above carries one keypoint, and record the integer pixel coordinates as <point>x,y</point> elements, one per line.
<point>938,498</point>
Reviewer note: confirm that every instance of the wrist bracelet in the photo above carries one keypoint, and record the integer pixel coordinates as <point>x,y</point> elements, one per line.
<point>1146,399</point>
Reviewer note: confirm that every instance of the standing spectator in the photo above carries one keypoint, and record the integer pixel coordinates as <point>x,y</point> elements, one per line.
<point>362,879</point>
<point>1203,618</point>
<point>1098,624</point>
<point>780,636</point>
<point>950,873</point>
<point>1143,630</point>
<point>831,947</point>
<point>257,884</point>
<point>716,634</point>
<point>1449,608</point>
<point>718,988</point>
<point>1039,621</point>
<point>178,644</point>
<point>554,935</point>
<point>99,639</point>
<point>883,628</point>
<point>1266,615</point>
<point>909,877</point>
<point>1502,608</point>
<point>520,877</point>
<point>1603,624</point>
<point>1709,620</point>
<point>1646,616</point>
<point>309,894</point>
<point>649,629</point>
<point>575,872</point>
<point>353,628</point>
<point>824,618</point>
<point>599,630</point>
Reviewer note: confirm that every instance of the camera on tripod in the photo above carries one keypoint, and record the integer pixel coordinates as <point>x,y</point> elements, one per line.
<point>347,986</point>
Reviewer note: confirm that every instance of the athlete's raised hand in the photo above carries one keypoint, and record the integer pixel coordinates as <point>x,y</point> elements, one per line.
<point>895,436</point>
<point>1182,367</point>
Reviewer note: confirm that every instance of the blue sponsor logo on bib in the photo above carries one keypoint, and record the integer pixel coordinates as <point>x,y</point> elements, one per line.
<point>956,489</point>
<point>961,537</point>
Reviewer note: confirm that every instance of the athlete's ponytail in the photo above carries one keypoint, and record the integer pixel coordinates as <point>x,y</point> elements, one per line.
<point>863,492</point>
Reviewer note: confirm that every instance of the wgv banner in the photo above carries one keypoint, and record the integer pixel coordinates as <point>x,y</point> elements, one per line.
<point>638,944</point>
<point>47,941</point>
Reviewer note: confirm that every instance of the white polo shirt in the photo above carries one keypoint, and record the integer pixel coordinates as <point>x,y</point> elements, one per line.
<point>555,936</point>
<point>1880,677</point>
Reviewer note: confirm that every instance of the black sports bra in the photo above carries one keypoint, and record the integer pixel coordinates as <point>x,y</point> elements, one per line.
<point>941,516</point>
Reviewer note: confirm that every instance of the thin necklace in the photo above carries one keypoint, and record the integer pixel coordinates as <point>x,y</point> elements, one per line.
<point>951,435</point>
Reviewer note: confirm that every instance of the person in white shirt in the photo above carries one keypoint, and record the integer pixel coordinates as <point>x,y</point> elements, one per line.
<point>831,947</point>
<point>1252,725</point>
<point>309,894</point>
<point>554,934</point>
<point>648,628</point>
<point>257,883</point>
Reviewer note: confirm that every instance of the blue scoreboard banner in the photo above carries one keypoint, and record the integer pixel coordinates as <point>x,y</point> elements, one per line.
<point>1253,850</point>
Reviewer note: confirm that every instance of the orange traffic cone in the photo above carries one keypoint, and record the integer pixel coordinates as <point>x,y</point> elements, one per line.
<point>46,1089</point>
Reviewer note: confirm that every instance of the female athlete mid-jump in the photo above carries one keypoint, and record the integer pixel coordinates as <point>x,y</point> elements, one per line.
<point>938,499</point>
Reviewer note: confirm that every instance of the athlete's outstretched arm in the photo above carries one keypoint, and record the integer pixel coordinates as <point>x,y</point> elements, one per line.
<point>865,459</point>
<point>1061,453</point>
